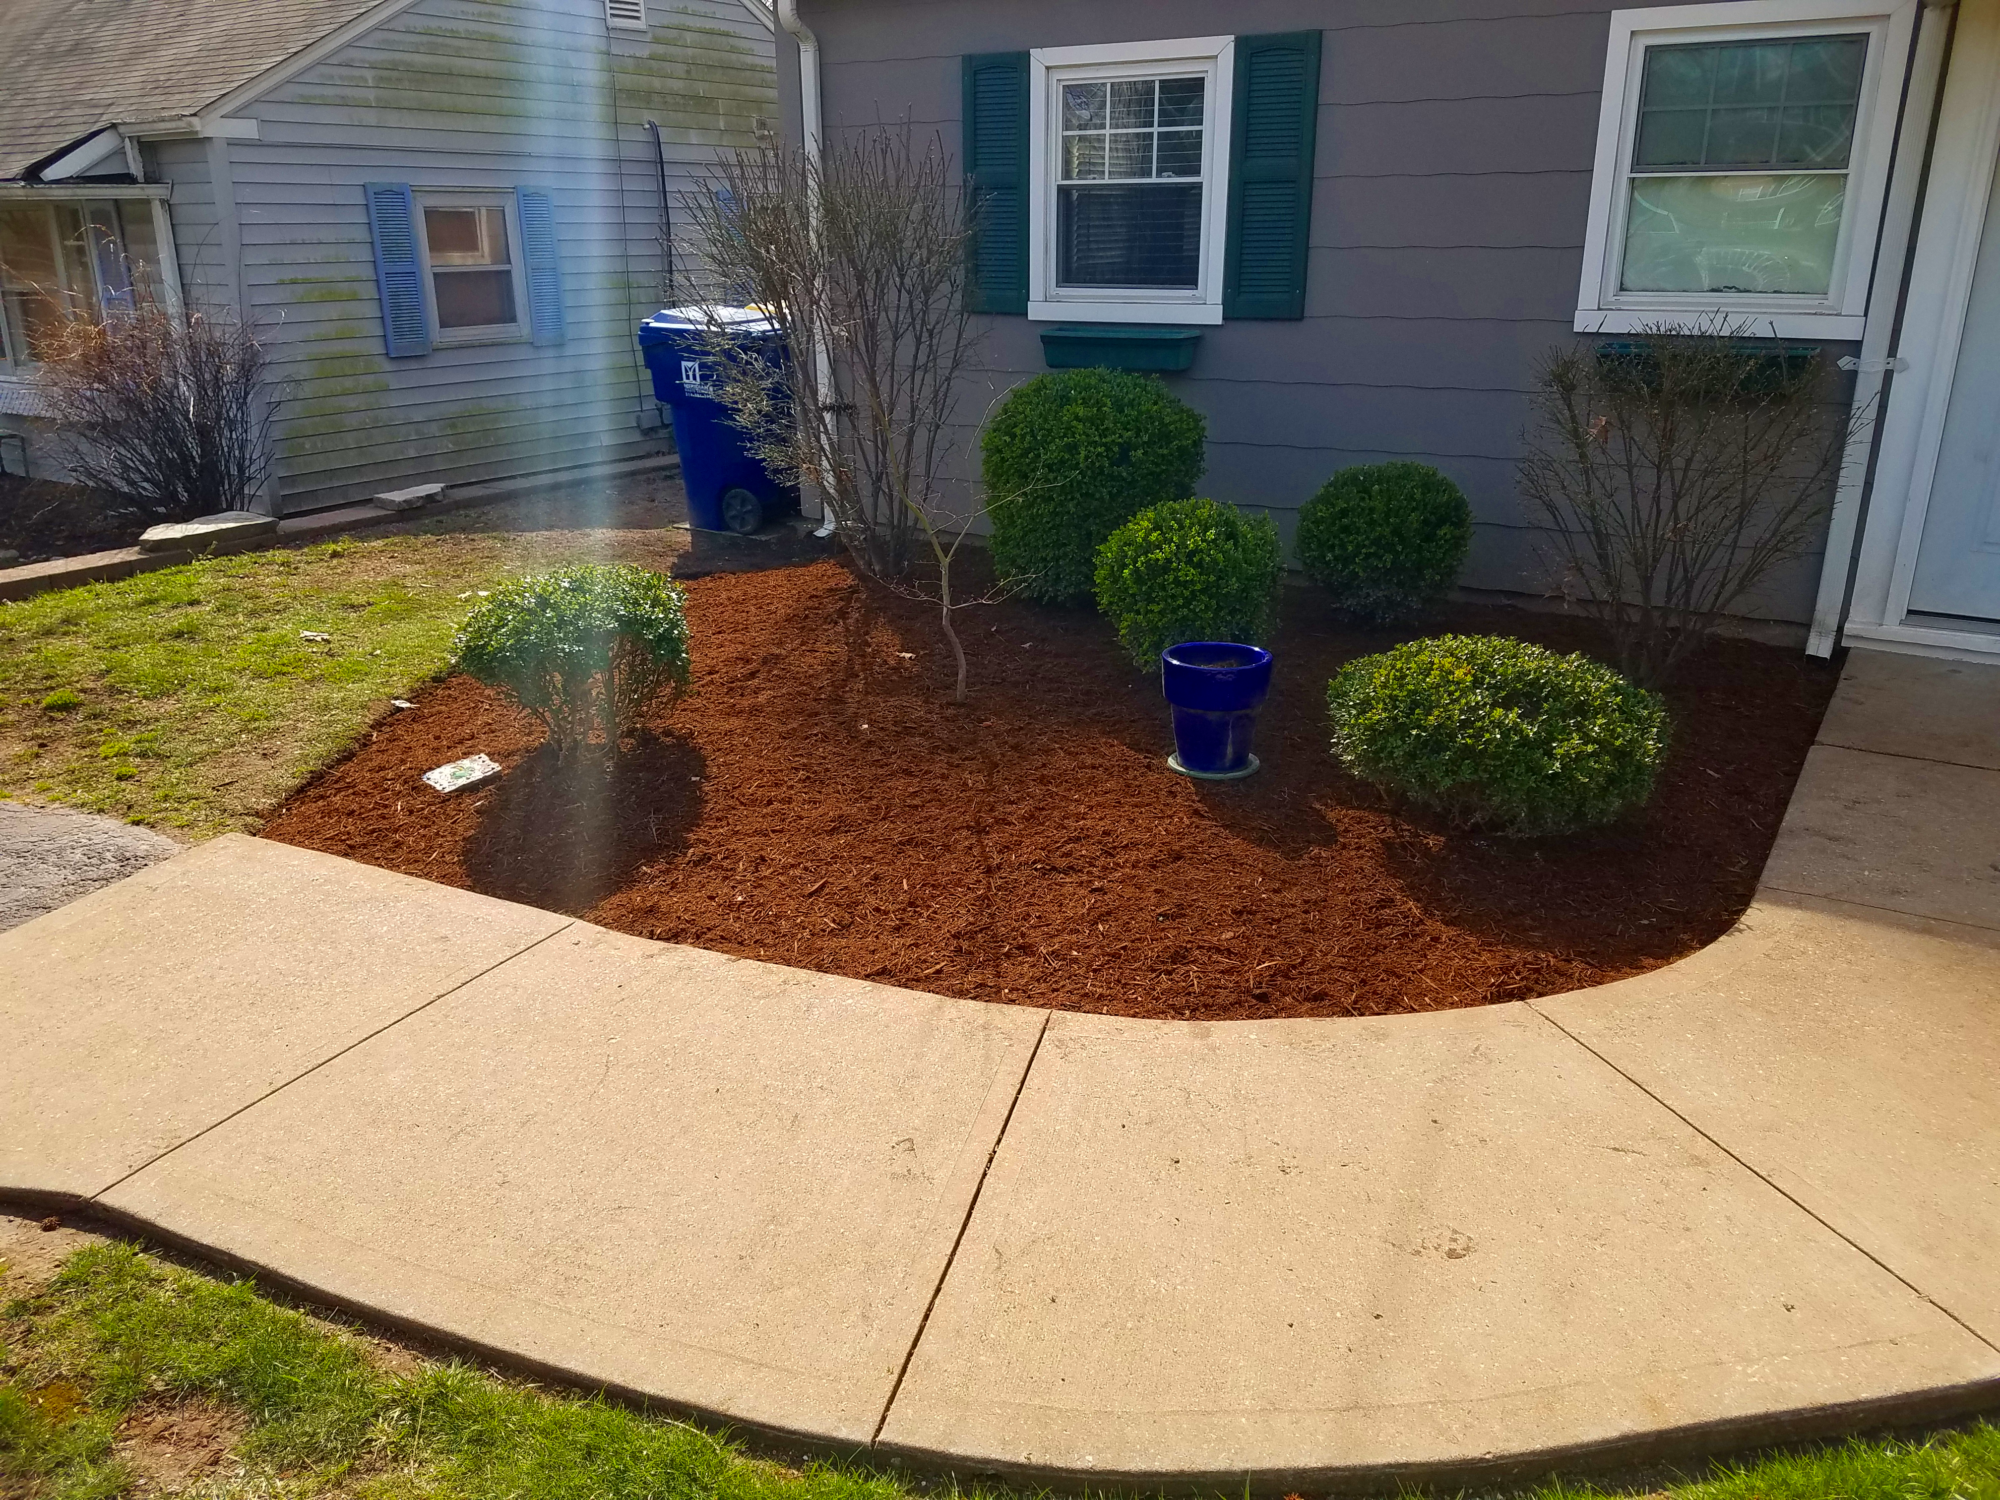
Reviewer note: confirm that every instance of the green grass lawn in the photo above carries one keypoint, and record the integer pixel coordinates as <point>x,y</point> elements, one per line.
<point>319,1411</point>
<point>194,699</point>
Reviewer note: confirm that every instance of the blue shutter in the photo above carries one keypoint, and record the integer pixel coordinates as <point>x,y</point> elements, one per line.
<point>996,170</point>
<point>1275,111</point>
<point>392,220</point>
<point>544,264</point>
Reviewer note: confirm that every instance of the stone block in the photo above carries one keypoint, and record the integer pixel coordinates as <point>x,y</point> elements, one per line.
<point>207,531</point>
<point>414,498</point>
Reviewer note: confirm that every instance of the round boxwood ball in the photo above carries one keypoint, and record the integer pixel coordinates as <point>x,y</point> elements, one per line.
<point>1385,540</point>
<point>1498,734</point>
<point>1189,570</point>
<point>585,648</point>
<point>1069,457</point>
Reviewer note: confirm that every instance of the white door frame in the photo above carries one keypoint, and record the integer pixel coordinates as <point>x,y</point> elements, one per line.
<point>1912,430</point>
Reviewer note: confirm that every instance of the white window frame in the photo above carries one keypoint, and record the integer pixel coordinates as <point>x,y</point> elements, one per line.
<point>615,22</point>
<point>1602,307</point>
<point>1048,69</point>
<point>516,332</point>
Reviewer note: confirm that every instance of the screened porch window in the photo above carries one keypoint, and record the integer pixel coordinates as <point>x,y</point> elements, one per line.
<point>1129,193</point>
<point>1740,160</point>
<point>60,261</point>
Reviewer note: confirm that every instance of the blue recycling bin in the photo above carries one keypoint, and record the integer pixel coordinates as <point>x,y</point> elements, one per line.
<point>728,489</point>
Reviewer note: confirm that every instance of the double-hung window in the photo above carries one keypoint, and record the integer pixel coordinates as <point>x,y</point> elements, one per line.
<point>1743,150</point>
<point>1129,146</point>
<point>473,272</point>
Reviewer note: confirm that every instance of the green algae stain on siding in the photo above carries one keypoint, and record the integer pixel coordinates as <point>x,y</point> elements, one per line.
<point>500,92</point>
<point>333,291</point>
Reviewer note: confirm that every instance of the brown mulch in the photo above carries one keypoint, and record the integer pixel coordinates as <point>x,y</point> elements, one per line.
<point>820,802</point>
<point>40,519</point>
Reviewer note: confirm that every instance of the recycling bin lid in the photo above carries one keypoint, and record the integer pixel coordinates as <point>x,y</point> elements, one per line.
<point>751,320</point>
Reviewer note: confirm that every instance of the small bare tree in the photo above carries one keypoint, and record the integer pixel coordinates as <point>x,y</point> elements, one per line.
<point>1673,475</point>
<point>165,408</point>
<point>860,260</point>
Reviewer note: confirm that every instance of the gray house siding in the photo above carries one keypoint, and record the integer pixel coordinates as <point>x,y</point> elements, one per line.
<point>202,238</point>
<point>490,94</point>
<point>1451,189</point>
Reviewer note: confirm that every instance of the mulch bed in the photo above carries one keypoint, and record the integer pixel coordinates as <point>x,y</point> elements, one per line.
<point>820,802</point>
<point>40,519</point>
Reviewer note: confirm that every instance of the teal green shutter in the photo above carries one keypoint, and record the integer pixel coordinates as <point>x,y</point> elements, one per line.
<point>996,171</point>
<point>1270,175</point>
<point>392,223</point>
<point>542,264</point>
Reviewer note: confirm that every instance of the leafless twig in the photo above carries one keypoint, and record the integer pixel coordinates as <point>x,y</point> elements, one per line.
<point>167,409</point>
<point>1674,475</point>
<point>860,260</point>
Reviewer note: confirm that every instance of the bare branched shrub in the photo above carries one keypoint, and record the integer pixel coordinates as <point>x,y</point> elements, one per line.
<point>164,408</point>
<point>860,260</point>
<point>1674,474</point>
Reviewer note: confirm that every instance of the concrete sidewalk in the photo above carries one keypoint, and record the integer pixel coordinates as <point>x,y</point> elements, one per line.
<point>1746,1197</point>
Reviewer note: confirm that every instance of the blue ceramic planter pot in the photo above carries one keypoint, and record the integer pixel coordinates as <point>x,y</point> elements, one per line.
<point>1216,688</point>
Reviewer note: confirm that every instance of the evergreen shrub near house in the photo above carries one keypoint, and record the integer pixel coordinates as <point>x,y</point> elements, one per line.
<point>583,648</point>
<point>1072,455</point>
<point>1385,540</point>
<point>1189,570</point>
<point>1499,734</point>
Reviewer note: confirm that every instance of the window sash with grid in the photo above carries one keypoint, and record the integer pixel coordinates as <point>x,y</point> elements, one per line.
<point>1739,165</point>
<point>1130,182</point>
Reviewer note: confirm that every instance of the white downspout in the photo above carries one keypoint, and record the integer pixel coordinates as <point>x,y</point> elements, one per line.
<point>809,108</point>
<point>1874,363</point>
<point>810,125</point>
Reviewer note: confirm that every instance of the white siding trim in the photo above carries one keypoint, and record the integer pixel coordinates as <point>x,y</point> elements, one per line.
<point>1947,251</point>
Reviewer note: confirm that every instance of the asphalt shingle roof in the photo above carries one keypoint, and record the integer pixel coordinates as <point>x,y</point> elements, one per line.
<point>70,67</point>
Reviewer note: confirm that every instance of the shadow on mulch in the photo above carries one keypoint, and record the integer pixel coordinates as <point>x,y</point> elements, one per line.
<point>617,811</point>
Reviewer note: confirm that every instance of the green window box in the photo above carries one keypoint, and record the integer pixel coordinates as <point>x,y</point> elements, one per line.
<point>1118,346</point>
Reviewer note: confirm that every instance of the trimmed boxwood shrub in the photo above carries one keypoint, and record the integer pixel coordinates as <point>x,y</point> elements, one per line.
<point>1499,734</point>
<point>1385,539</point>
<point>1189,570</point>
<point>582,648</point>
<point>1070,456</point>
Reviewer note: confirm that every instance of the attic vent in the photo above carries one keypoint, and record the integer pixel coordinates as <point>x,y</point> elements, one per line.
<point>625,14</point>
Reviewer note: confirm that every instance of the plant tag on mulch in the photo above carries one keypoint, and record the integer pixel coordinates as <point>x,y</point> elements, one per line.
<point>461,775</point>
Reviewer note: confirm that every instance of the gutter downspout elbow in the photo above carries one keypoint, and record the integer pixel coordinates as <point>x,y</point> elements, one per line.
<point>809,105</point>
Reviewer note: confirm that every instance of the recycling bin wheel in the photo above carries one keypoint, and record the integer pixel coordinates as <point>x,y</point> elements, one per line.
<point>742,511</point>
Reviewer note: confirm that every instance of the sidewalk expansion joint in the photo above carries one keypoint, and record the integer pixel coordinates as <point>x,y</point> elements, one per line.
<point>958,1239</point>
<point>1986,929</point>
<point>1834,1230</point>
<point>1922,760</point>
<point>159,1157</point>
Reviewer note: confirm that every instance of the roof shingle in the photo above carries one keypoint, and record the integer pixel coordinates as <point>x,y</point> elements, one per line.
<point>70,67</point>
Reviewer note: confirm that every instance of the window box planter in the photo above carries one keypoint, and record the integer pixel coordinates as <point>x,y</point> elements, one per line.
<point>1083,346</point>
<point>1765,365</point>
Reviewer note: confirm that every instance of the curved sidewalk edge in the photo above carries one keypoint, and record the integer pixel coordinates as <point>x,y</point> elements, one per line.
<point>1740,1199</point>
